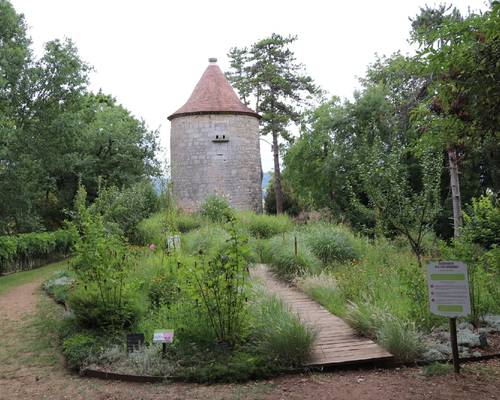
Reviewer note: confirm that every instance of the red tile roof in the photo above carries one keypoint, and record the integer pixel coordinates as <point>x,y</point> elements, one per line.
<point>213,95</point>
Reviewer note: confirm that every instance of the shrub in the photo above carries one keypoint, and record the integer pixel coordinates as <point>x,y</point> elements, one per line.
<point>149,360</point>
<point>280,252</point>
<point>78,348</point>
<point>151,230</point>
<point>209,240</point>
<point>216,209</point>
<point>101,265</point>
<point>220,284</point>
<point>29,250</point>
<point>401,339</point>
<point>187,222</point>
<point>482,222</point>
<point>93,311</point>
<point>164,286</point>
<point>280,334</point>
<point>265,226</point>
<point>398,336</point>
<point>330,245</point>
<point>364,318</point>
<point>58,286</point>
<point>125,208</point>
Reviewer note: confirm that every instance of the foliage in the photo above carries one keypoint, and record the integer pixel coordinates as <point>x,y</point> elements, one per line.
<point>58,286</point>
<point>437,369</point>
<point>401,339</point>
<point>151,230</point>
<point>55,133</point>
<point>280,253</point>
<point>208,240</point>
<point>280,334</point>
<point>330,245</point>
<point>78,348</point>
<point>188,222</point>
<point>291,203</point>
<point>400,207</point>
<point>216,209</point>
<point>164,285</point>
<point>482,223</point>
<point>29,250</point>
<point>398,336</point>
<point>268,72</point>
<point>264,226</point>
<point>101,312</point>
<point>220,284</point>
<point>101,264</point>
<point>122,210</point>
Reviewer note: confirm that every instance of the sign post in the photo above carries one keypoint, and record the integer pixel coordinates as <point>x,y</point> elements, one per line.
<point>163,336</point>
<point>449,296</point>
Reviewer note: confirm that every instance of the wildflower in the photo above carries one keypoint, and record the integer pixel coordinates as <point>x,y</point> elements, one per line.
<point>152,247</point>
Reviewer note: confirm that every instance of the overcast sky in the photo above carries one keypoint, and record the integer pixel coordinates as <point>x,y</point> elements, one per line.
<point>150,54</point>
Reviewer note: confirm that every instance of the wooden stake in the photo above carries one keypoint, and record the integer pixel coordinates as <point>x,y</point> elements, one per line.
<point>454,344</point>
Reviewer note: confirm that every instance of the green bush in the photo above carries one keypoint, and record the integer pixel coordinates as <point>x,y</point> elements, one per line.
<point>401,339</point>
<point>187,222</point>
<point>164,286</point>
<point>209,240</point>
<point>280,334</point>
<point>122,210</point>
<point>216,209</point>
<point>29,250</point>
<point>330,245</point>
<point>264,226</point>
<point>78,348</point>
<point>58,286</point>
<point>364,318</point>
<point>220,284</point>
<point>482,222</point>
<point>151,230</point>
<point>280,253</point>
<point>93,311</point>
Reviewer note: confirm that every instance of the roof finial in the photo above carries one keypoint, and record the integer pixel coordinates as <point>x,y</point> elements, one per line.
<point>212,60</point>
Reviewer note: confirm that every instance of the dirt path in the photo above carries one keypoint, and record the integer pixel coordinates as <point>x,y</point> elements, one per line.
<point>29,369</point>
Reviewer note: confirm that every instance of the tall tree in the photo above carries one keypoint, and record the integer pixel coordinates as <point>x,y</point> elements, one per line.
<point>462,113</point>
<point>269,73</point>
<point>53,132</point>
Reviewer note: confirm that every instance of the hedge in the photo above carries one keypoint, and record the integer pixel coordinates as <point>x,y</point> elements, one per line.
<point>30,250</point>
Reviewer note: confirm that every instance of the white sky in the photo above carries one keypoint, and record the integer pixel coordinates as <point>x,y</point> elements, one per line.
<point>150,54</point>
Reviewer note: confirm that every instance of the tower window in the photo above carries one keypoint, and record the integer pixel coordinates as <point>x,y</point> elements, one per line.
<point>220,139</point>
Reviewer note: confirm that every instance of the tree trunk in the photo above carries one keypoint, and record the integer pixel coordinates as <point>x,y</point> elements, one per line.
<point>455,190</point>
<point>277,176</point>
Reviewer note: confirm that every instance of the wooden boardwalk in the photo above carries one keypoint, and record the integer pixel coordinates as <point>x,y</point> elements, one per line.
<point>336,343</point>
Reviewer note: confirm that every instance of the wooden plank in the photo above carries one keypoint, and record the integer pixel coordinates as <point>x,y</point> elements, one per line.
<point>336,342</point>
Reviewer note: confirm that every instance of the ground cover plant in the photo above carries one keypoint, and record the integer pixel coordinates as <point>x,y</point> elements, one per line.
<point>224,331</point>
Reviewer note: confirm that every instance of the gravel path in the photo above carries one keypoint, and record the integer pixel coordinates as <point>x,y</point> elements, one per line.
<point>22,377</point>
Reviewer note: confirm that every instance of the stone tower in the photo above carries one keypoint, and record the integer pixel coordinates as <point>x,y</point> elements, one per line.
<point>214,146</point>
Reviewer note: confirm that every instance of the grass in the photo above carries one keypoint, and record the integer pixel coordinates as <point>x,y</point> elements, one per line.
<point>280,333</point>
<point>437,369</point>
<point>11,281</point>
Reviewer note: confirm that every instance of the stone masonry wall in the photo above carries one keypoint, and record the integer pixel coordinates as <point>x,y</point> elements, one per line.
<point>216,154</point>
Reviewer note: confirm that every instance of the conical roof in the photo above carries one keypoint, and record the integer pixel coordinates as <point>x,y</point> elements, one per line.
<point>213,95</point>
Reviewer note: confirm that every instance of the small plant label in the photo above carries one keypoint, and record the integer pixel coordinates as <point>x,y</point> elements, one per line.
<point>173,242</point>
<point>134,341</point>
<point>163,336</point>
<point>448,288</point>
